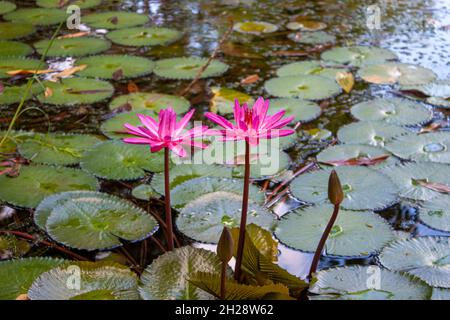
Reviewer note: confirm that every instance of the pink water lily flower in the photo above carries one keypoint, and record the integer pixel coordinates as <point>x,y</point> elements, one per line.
<point>166,132</point>
<point>251,124</point>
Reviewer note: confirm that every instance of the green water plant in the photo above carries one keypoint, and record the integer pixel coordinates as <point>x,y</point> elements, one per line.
<point>14,49</point>
<point>186,68</point>
<point>15,30</point>
<point>144,36</point>
<point>37,16</point>
<point>72,47</point>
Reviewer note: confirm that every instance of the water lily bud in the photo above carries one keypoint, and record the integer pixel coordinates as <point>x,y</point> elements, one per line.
<point>335,193</point>
<point>225,246</point>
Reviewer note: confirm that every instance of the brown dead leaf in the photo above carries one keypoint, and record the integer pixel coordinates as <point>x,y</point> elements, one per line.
<point>25,72</point>
<point>290,53</point>
<point>233,50</point>
<point>68,72</point>
<point>250,79</point>
<point>72,91</point>
<point>345,80</point>
<point>114,20</point>
<point>431,127</point>
<point>359,161</point>
<point>48,92</point>
<point>438,187</point>
<point>132,87</point>
<point>73,35</point>
<point>118,74</point>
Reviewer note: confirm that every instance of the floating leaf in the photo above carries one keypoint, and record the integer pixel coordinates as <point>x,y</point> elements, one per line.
<point>353,283</point>
<point>435,212</point>
<point>72,47</point>
<point>37,182</point>
<point>74,35</point>
<point>13,30</point>
<point>307,68</point>
<point>83,4</point>
<point>15,94</point>
<point>438,102</point>
<point>317,37</point>
<point>223,99</point>
<point>255,27</point>
<point>345,80</point>
<point>364,188</point>
<point>144,192</point>
<point>12,64</point>
<point>440,294</point>
<point>37,16</point>
<point>358,55</point>
<point>114,20</point>
<point>250,79</point>
<point>14,48</point>
<point>188,68</point>
<point>6,6</point>
<point>142,36</point>
<point>204,218</point>
<point>151,101</point>
<point>114,127</point>
<point>437,89</point>
<point>68,72</point>
<point>306,24</point>
<point>390,73</point>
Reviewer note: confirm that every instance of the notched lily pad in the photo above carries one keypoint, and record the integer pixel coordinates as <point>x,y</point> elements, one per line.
<point>255,27</point>
<point>15,30</point>
<point>308,68</point>
<point>402,73</point>
<point>6,6</point>
<point>186,68</point>
<point>72,47</point>
<point>114,128</point>
<point>18,63</point>
<point>317,37</point>
<point>150,101</point>
<point>15,94</point>
<point>37,16</point>
<point>83,4</point>
<point>436,212</point>
<point>14,49</point>
<point>142,36</point>
<point>114,20</point>
<point>358,55</point>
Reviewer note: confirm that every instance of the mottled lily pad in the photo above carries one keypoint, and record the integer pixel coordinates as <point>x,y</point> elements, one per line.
<point>14,49</point>
<point>306,68</point>
<point>353,233</point>
<point>317,37</point>
<point>114,20</point>
<point>436,213</point>
<point>141,36</point>
<point>13,30</point>
<point>186,68</point>
<point>364,188</point>
<point>83,4</point>
<point>310,87</point>
<point>72,47</point>
<point>390,73</point>
<point>114,128</point>
<point>255,27</point>
<point>358,55</point>
<point>116,160</point>
<point>15,94</point>
<point>37,16</point>
<point>37,182</point>
<point>7,6</point>
<point>150,101</point>
<point>394,111</point>
<point>303,110</point>
<point>17,63</point>
<point>203,219</point>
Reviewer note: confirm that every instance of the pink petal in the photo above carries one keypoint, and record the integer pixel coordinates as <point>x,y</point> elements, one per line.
<point>135,130</point>
<point>179,150</point>
<point>282,123</point>
<point>221,121</point>
<point>196,144</point>
<point>196,132</point>
<point>156,147</point>
<point>270,120</point>
<point>183,122</point>
<point>137,140</point>
<point>213,132</point>
<point>258,105</point>
<point>237,111</point>
<point>149,123</point>
<point>277,133</point>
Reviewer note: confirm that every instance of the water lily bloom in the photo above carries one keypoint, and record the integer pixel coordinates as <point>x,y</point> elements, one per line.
<point>251,124</point>
<point>166,132</point>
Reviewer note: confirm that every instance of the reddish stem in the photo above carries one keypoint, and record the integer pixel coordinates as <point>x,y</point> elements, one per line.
<point>240,249</point>
<point>169,228</point>
<point>223,277</point>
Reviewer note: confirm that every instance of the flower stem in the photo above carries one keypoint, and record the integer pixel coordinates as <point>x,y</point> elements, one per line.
<point>322,241</point>
<point>240,249</point>
<point>223,277</point>
<point>169,229</point>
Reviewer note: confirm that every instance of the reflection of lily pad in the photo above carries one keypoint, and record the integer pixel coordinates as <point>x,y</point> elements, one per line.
<point>317,37</point>
<point>14,48</point>
<point>188,68</point>
<point>358,55</point>
<point>73,47</point>
<point>375,133</point>
<point>120,161</point>
<point>310,87</point>
<point>13,30</point>
<point>115,67</point>
<point>37,182</point>
<point>223,99</point>
<point>12,64</point>
<point>114,20</point>
<point>15,94</point>
<point>353,233</point>
<point>360,283</point>
<point>114,128</point>
<point>433,147</point>
<point>255,27</point>
<point>308,67</point>
<point>37,16</point>
<point>7,6</point>
<point>83,4</point>
<point>436,213</point>
<point>203,219</point>
<point>364,188</point>
<point>394,110</point>
<point>141,36</point>
<point>390,73</point>
<point>151,101</point>
<point>427,258</point>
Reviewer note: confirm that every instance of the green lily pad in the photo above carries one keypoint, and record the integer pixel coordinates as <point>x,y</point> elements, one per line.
<point>73,91</point>
<point>367,283</point>
<point>14,49</point>
<point>373,133</point>
<point>308,68</point>
<point>37,16</point>
<point>303,110</point>
<point>117,160</point>
<point>353,233</point>
<point>150,101</point>
<point>17,275</point>
<point>186,68</point>
<point>409,178</point>
<point>59,149</point>
<point>317,37</point>
<point>391,72</point>
<point>115,67</point>
<point>427,258</point>
<point>436,213</point>
<point>310,87</point>
<point>37,182</point>
<point>305,24</point>
<point>15,94</point>
<point>144,192</point>
<point>98,281</point>
<point>114,20</point>
<point>6,6</point>
<point>364,188</point>
<point>358,55</point>
<point>17,63</point>
<point>254,27</point>
<point>204,218</point>
<point>12,140</point>
<point>114,128</point>
<point>83,4</point>
<point>92,223</point>
<point>143,36</point>
<point>167,278</point>
<point>72,47</point>
<point>13,30</point>
<point>430,147</point>
<point>394,111</point>
<point>437,89</point>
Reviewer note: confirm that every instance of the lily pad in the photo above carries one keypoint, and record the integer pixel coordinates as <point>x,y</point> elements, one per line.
<point>114,128</point>
<point>15,94</point>
<point>167,278</point>
<point>186,68</point>
<point>303,110</point>
<point>144,192</point>
<point>353,233</point>
<point>17,63</point>
<point>59,149</point>
<point>142,36</point>
<point>373,133</point>
<point>115,67</point>
<point>435,213</point>
<point>308,68</point>
<point>98,281</point>
<point>437,89</point>
<point>72,47</point>
<point>14,49</point>
<point>117,160</point>
<point>306,24</point>
<point>358,55</point>
<point>92,223</point>
<point>440,294</point>
<point>13,30</point>
<point>204,218</point>
<point>12,247</point>
<point>73,91</point>
<point>150,101</point>
<point>255,27</point>
<point>364,188</point>
<point>438,102</point>
<point>367,283</point>
<point>17,275</point>
<point>317,37</point>
<point>310,87</point>
<point>6,6</point>
<point>430,147</point>
<point>114,20</point>
<point>412,177</point>
<point>83,4</point>
<point>223,100</point>
<point>394,111</point>
<point>37,182</point>
<point>37,16</point>
<point>391,72</point>
<point>427,258</point>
